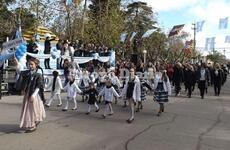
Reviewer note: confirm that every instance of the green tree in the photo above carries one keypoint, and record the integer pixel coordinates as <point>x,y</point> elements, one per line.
<point>105,22</point>
<point>139,18</point>
<point>216,57</point>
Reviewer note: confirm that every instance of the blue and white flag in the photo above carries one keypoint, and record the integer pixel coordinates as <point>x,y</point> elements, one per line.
<point>227,39</point>
<point>199,26</point>
<point>148,33</point>
<point>223,23</point>
<point>19,33</point>
<point>123,37</point>
<point>210,43</point>
<point>133,35</point>
<point>68,2</point>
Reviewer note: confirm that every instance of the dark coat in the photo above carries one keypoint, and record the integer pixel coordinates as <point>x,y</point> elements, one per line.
<point>217,78</point>
<point>189,77</point>
<point>177,75</point>
<point>47,46</point>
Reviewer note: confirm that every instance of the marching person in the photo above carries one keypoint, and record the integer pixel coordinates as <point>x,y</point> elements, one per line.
<point>115,83</point>
<point>132,92</point>
<point>93,93</point>
<point>144,87</point>
<point>162,88</point>
<point>217,79</point>
<point>203,77</point>
<point>72,89</point>
<point>33,111</point>
<point>189,79</point>
<point>56,89</point>
<point>84,83</point>
<point>108,92</point>
<point>177,78</point>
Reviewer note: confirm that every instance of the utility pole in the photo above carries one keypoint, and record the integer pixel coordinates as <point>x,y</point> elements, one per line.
<point>194,39</point>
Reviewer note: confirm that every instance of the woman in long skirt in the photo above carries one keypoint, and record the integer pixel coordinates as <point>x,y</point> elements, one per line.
<point>33,111</point>
<point>162,89</point>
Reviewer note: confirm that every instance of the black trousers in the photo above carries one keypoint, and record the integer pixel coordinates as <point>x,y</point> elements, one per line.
<point>47,63</point>
<point>217,88</point>
<point>177,87</point>
<point>202,87</point>
<point>189,87</point>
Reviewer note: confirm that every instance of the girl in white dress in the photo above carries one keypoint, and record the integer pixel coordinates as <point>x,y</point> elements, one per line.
<point>56,89</point>
<point>72,89</point>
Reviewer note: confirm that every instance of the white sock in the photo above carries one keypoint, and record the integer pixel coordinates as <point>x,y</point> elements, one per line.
<point>95,104</point>
<point>59,98</point>
<point>89,108</point>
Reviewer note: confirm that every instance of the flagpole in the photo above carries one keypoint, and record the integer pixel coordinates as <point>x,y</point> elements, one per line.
<point>194,38</point>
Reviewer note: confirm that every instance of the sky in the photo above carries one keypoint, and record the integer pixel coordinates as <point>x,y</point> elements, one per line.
<point>174,12</point>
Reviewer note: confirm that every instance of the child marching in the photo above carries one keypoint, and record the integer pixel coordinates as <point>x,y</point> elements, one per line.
<point>93,93</point>
<point>56,89</point>
<point>108,92</point>
<point>72,89</point>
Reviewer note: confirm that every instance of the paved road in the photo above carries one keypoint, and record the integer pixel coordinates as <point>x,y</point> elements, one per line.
<point>187,124</point>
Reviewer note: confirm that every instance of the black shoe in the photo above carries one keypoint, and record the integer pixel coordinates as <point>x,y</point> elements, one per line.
<point>47,105</point>
<point>103,116</point>
<point>64,109</point>
<point>110,114</point>
<point>37,123</point>
<point>87,113</point>
<point>31,130</point>
<point>59,105</point>
<point>138,110</point>
<point>97,110</point>
<point>159,114</point>
<point>130,120</point>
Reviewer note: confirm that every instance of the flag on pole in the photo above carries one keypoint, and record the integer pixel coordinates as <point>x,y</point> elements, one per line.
<point>123,37</point>
<point>210,43</point>
<point>133,35</point>
<point>223,23</point>
<point>148,33</point>
<point>199,26</point>
<point>227,39</point>
<point>175,30</point>
<point>68,2</point>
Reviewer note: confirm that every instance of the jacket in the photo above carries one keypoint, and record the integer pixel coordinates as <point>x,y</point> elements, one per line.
<point>136,91</point>
<point>166,84</point>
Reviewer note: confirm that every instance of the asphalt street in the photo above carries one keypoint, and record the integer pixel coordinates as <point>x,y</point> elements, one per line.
<point>187,124</point>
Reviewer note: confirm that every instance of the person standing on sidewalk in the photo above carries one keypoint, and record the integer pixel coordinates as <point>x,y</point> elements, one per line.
<point>33,111</point>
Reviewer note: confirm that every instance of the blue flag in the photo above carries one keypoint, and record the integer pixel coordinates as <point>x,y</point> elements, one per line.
<point>133,35</point>
<point>123,37</point>
<point>199,26</point>
<point>68,2</point>
<point>227,39</point>
<point>223,23</point>
<point>148,33</point>
<point>210,43</point>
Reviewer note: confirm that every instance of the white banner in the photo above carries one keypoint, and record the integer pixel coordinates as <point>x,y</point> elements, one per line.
<point>12,43</point>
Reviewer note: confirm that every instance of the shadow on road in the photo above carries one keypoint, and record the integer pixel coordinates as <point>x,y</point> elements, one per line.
<point>9,128</point>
